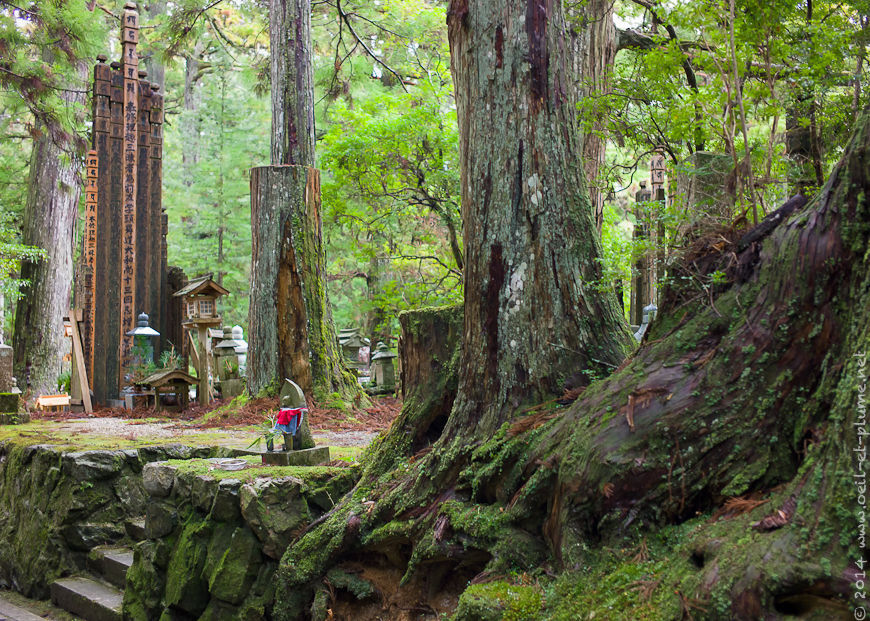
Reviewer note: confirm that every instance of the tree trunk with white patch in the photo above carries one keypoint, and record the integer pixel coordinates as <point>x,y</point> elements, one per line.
<point>536,320</point>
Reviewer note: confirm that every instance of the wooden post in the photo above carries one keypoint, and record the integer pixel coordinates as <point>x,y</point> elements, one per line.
<point>78,355</point>
<point>640,292</point>
<point>657,231</point>
<point>130,73</point>
<point>203,391</point>
<point>661,255</point>
<point>90,261</point>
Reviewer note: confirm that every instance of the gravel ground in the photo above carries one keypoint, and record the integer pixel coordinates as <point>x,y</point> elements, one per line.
<point>133,429</point>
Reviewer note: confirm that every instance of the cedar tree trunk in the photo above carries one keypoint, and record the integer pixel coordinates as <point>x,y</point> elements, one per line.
<point>54,187</point>
<point>292,334</point>
<point>752,384</point>
<point>749,398</point>
<point>292,82</point>
<point>593,37</point>
<point>536,321</point>
<point>289,317</point>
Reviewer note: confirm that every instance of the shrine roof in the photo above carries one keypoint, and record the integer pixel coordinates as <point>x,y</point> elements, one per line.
<point>168,376</point>
<point>204,285</point>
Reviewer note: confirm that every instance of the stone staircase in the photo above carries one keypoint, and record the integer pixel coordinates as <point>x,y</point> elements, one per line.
<point>98,597</point>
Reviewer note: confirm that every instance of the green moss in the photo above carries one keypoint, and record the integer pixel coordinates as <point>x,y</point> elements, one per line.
<point>186,586</point>
<point>313,475</point>
<point>499,601</point>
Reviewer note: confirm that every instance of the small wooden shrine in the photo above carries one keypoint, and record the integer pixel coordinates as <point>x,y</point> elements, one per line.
<point>199,302</point>
<point>169,381</point>
<point>123,267</point>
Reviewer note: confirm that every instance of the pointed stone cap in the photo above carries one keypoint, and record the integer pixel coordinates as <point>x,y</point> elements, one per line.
<point>291,396</point>
<point>383,352</point>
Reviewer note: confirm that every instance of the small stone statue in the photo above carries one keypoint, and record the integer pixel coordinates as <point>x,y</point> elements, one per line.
<point>292,415</point>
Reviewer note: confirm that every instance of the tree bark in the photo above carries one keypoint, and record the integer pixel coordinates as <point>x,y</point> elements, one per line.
<point>593,38</point>
<point>534,322</point>
<point>289,322</point>
<point>755,385</point>
<point>54,187</point>
<point>292,82</point>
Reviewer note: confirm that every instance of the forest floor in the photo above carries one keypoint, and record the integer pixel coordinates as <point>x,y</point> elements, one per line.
<point>223,423</point>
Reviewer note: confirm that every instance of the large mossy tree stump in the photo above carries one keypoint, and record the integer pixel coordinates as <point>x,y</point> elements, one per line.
<point>291,330</point>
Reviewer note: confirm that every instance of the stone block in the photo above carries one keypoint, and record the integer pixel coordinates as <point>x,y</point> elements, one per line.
<point>158,478</point>
<point>236,568</point>
<point>14,419</point>
<point>93,465</point>
<point>88,599</point>
<point>274,509</point>
<point>226,501</point>
<point>304,457</point>
<point>202,492</point>
<point>160,519</point>
<point>85,536</point>
<point>186,587</point>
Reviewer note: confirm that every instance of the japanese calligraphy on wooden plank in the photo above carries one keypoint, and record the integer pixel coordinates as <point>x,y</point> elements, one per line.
<point>90,259</point>
<point>130,73</point>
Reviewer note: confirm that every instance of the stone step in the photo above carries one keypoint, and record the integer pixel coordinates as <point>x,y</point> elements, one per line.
<point>135,528</point>
<point>88,599</point>
<point>11,612</point>
<point>112,564</point>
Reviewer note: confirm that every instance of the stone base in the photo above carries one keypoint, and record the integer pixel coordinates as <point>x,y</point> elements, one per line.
<point>14,419</point>
<point>304,457</point>
<point>8,402</point>
<point>232,388</point>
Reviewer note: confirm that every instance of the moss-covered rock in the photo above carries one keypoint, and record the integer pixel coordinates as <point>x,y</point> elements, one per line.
<point>186,586</point>
<point>235,570</point>
<point>225,507</point>
<point>145,584</point>
<point>274,509</point>
<point>499,601</point>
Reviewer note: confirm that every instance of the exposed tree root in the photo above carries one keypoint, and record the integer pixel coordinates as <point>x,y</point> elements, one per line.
<point>720,407</point>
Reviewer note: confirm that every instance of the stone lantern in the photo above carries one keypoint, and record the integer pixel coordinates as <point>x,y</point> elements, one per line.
<point>228,365</point>
<point>383,373</point>
<point>241,349</point>
<point>143,341</point>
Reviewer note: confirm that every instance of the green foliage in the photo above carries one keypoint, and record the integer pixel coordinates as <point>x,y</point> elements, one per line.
<point>392,205</point>
<point>206,184</point>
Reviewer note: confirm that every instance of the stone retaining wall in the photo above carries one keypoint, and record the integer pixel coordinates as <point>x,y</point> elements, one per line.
<point>215,538</point>
<point>56,505</point>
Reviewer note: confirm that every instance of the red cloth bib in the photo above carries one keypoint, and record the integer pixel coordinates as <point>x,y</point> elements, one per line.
<point>286,415</point>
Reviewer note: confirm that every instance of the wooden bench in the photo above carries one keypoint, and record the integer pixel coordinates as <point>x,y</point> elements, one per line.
<point>52,403</point>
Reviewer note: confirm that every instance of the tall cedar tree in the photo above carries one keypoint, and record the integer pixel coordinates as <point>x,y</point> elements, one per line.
<point>290,324</point>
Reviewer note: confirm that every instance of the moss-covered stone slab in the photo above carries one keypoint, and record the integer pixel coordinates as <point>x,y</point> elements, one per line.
<point>186,587</point>
<point>274,509</point>
<point>9,403</point>
<point>158,478</point>
<point>14,418</point>
<point>160,519</point>
<point>226,501</point>
<point>304,457</point>
<point>236,568</point>
<point>87,599</point>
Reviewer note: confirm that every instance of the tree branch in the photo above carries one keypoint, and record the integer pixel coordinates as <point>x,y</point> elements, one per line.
<point>346,20</point>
